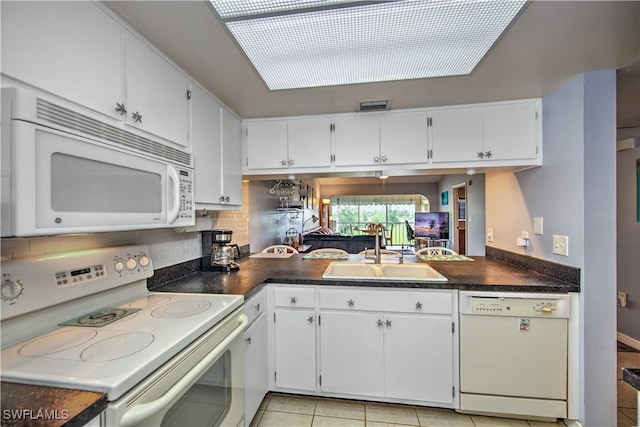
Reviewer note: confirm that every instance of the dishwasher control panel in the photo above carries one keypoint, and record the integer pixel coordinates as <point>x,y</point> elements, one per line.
<point>508,306</point>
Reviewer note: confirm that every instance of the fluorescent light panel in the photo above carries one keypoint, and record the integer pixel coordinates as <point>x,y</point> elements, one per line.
<point>376,42</point>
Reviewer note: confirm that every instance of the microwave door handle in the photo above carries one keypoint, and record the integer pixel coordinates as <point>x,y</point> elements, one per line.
<point>139,413</point>
<point>173,213</point>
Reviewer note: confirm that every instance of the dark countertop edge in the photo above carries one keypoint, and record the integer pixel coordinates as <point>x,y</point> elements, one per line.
<point>631,376</point>
<point>42,397</point>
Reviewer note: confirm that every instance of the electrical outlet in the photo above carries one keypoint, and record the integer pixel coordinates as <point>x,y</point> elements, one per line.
<point>622,299</point>
<point>524,234</point>
<point>561,245</point>
<point>489,234</point>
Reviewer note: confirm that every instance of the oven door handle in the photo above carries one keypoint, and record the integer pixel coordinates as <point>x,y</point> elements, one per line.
<point>139,413</point>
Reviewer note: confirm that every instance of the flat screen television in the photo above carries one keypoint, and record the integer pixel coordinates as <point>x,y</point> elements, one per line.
<point>432,225</point>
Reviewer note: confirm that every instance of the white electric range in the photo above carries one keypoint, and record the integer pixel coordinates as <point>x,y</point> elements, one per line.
<point>85,320</point>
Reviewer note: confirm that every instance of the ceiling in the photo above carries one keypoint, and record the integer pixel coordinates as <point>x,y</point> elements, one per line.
<point>549,43</point>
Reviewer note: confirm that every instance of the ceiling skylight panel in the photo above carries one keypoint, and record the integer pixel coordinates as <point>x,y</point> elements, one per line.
<point>376,42</point>
<point>233,9</point>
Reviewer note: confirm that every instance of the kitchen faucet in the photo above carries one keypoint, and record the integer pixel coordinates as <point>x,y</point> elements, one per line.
<point>379,233</point>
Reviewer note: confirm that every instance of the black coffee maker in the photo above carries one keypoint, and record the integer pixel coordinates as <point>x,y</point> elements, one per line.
<point>223,253</point>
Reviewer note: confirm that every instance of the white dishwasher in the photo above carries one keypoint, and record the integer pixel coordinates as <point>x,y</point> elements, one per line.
<point>513,354</point>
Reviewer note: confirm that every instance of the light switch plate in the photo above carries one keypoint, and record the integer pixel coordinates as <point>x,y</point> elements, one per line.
<point>537,225</point>
<point>561,245</point>
<point>489,234</point>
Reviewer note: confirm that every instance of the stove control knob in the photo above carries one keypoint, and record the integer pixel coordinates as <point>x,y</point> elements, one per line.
<point>119,266</point>
<point>131,263</point>
<point>144,260</point>
<point>11,290</point>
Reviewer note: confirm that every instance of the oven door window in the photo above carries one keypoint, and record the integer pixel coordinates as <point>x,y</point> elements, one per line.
<point>208,401</point>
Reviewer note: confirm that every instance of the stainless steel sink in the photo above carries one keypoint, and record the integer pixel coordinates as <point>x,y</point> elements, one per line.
<point>382,272</point>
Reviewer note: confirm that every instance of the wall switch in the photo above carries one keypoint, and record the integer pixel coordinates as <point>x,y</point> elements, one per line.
<point>537,225</point>
<point>622,299</point>
<point>522,242</point>
<point>561,245</point>
<point>525,234</point>
<point>489,234</point>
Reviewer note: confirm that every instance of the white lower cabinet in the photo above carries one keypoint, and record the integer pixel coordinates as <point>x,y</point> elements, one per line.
<point>256,365</point>
<point>393,345</point>
<point>407,356</point>
<point>294,339</point>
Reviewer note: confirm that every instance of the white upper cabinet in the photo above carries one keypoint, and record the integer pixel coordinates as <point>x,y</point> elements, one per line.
<point>71,49</point>
<point>404,138</point>
<point>456,134</point>
<point>216,144</point>
<point>309,142</point>
<point>356,140</point>
<point>231,165</point>
<point>156,100</point>
<point>206,146</point>
<point>504,133</point>
<point>509,132</point>
<point>288,144</point>
<point>266,144</point>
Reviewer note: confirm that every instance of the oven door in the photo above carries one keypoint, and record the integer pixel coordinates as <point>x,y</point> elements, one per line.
<point>202,385</point>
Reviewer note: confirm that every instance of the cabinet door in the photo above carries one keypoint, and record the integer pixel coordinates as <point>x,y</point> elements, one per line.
<point>256,369</point>
<point>509,132</point>
<point>351,353</point>
<point>267,144</point>
<point>456,135</point>
<point>309,143</point>
<point>206,146</point>
<point>418,355</point>
<point>404,138</point>
<point>231,159</point>
<point>295,349</point>
<point>156,91</point>
<point>71,49</point>
<point>356,140</point>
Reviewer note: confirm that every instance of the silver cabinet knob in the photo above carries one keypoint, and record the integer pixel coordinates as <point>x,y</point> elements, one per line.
<point>283,162</point>
<point>310,319</point>
<point>137,117</point>
<point>418,305</point>
<point>221,199</point>
<point>247,340</point>
<point>383,159</point>
<point>488,154</point>
<point>388,322</point>
<point>294,300</point>
<point>257,307</point>
<point>351,302</point>
<point>480,155</point>
<point>120,109</point>
<point>290,162</point>
<point>376,159</point>
<point>379,323</point>
<point>226,199</point>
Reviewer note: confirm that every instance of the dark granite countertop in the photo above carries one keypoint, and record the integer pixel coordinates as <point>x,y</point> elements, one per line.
<point>631,376</point>
<point>483,274</point>
<point>30,405</point>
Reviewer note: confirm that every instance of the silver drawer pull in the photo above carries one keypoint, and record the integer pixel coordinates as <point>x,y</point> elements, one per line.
<point>379,323</point>
<point>418,305</point>
<point>351,302</point>
<point>388,322</point>
<point>294,300</point>
<point>310,319</point>
<point>247,340</point>
<point>257,307</point>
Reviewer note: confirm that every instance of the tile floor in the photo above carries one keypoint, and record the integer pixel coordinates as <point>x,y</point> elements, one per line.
<point>627,395</point>
<point>283,410</point>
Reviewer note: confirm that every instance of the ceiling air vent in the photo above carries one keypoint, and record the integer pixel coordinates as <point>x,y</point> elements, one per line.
<point>376,105</point>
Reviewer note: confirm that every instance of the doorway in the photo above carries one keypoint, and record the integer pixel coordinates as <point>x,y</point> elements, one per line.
<point>460,218</point>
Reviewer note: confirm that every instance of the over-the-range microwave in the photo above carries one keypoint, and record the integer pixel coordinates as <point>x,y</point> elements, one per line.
<point>66,170</point>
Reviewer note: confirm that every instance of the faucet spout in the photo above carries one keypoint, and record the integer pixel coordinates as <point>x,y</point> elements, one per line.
<point>379,231</point>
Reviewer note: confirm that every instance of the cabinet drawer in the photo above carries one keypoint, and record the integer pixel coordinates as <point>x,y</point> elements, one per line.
<point>387,301</point>
<point>295,297</point>
<point>255,306</point>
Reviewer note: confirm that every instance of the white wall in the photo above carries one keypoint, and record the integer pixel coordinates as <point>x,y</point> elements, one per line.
<point>574,193</point>
<point>628,238</point>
